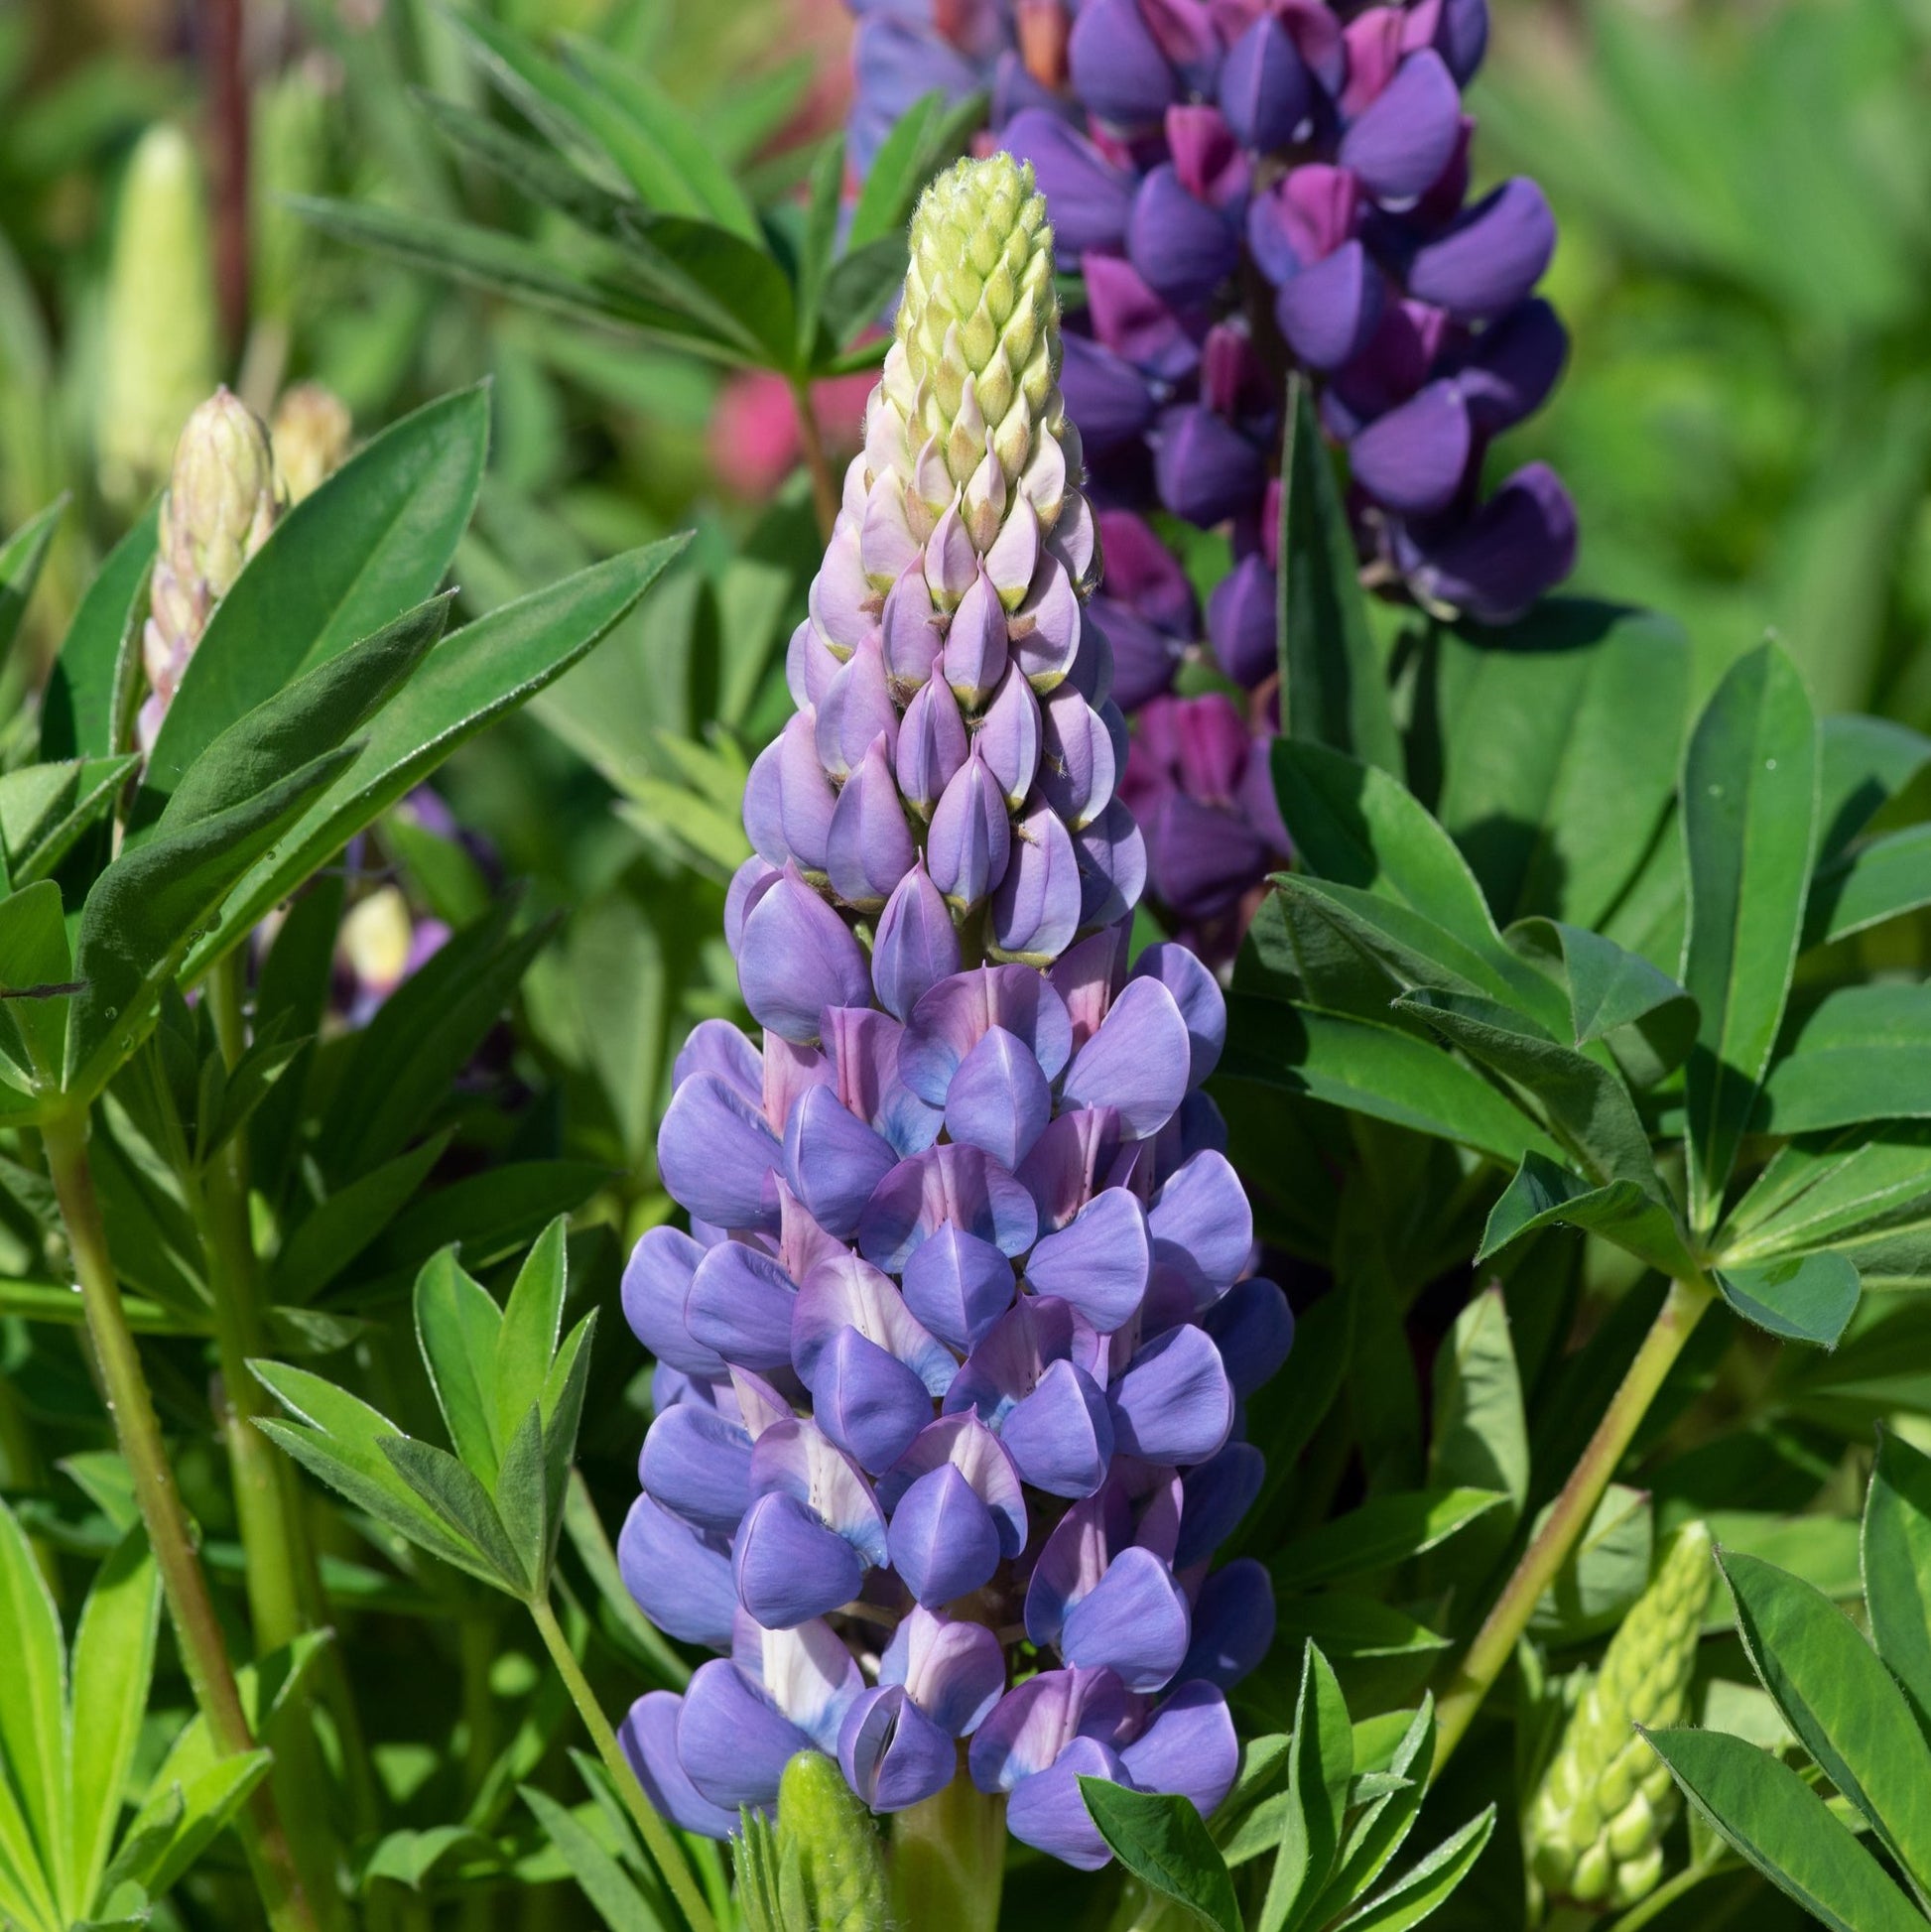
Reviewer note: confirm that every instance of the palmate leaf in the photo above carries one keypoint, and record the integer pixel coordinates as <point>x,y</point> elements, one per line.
<point>1381,1533</point>
<point>1418,1894</point>
<point>1545,1194</point>
<point>1802,1298</point>
<point>1645,1019</point>
<point>1321,1766</point>
<point>33,1717</point>
<point>1873,882</point>
<point>1897,1567</point>
<point>1862,1054</point>
<point>1819,1192</point>
<point>85,703</point>
<point>1159,1837</point>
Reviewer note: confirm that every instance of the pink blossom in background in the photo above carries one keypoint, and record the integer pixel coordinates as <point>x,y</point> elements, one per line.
<point>754,441</point>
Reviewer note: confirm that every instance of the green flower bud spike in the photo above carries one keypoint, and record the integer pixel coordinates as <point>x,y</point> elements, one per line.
<point>1595,1828</point>
<point>222,500</point>
<point>311,433</point>
<point>152,373</point>
<point>820,1867</point>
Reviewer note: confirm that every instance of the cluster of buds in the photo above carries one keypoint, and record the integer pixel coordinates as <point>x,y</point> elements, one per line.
<point>1250,188</point>
<point>222,500</point>
<point>1596,1829</point>
<point>951,1364</point>
<point>310,434</point>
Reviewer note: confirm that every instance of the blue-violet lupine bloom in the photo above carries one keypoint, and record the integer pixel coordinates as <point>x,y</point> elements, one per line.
<point>952,1361</point>
<point>1252,187</point>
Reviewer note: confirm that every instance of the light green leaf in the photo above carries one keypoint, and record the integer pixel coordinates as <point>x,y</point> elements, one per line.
<point>178,1823</point>
<point>34,1708</point>
<point>1863,1054</point>
<point>1604,1574</point>
<point>457,1326</point>
<point>1381,1828</point>
<point>97,784</point>
<point>923,139</point>
<point>1766,1812</point>
<point>1159,1837</point>
<point>1544,1194</point>
<point>1803,1298</point>
<point>83,708</point>
<point>1750,821</point>
<point>610,1888</point>
<point>1418,1894</point>
<point>1481,1435</point>
<point>526,1341</point>
<point>521,1494</point>
<point>1381,1532</point>
<point>21,557</point>
<point>33,960</point>
<point>1815,1193</point>
<point>1897,1567</point>
<point>1869,884</point>
<point>1321,1766</point>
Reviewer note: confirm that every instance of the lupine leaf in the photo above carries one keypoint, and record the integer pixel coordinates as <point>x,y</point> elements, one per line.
<point>1647,1021</point>
<point>1749,816</point>
<point>539,172</point>
<point>460,1498</point>
<point>1321,1766</point>
<point>1897,1567</point>
<point>1544,1194</point>
<point>1815,1195</point>
<point>1766,1812</point>
<point>1159,1837</point>
<point>1874,882</point>
<point>34,958</point>
<point>1840,1700</point>
<point>21,557</point>
<point>1863,1054</point>
<point>33,1710</point>
<point>87,688</point>
<point>341,1227</point>
<point>97,784</point>
<point>525,1340</point>
<point>457,1326</point>
<point>921,139</point>
<point>1604,1574</point>
<point>372,542</point>
<point>1481,1436</point>
<point>1334,689</point>
<point>168,1836</point>
<point>1863,764</point>
<point>1380,1830</point>
<point>1381,1532</point>
<point>1418,1894</point>
<point>1803,1298</point>
<point>606,1884</point>
<point>521,1494</point>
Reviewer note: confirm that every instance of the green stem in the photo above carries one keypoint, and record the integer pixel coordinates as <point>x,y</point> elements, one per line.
<point>949,1858</point>
<point>190,1606</point>
<point>656,1835</point>
<point>1495,1641</point>
<point>825,484</point>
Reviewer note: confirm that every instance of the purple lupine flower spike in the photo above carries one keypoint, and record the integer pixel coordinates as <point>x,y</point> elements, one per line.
<point>935,1371</point>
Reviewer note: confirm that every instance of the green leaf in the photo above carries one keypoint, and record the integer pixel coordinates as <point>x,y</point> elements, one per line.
<point>1897,1567</point>
<point>457,1326</point>
<point>1863,763</point>
<point>412,1857</point>
<point>1381,1827</point>
<point>1371,1067</point>
<point>96,785</point>
<point>1355,1629</point>
<point>85,701</point>
<point>1381,1533</point>
<point>537,172</point>
<point>532,1322</point>
<point>147,908</point>
<point>114,1663</point>
<point>1159,1837</point>
<point>338,1229</point>
<point>21,557</point>
<point>459,1497</point>
<point>1803,1298</point>
<point>1604,1574</point>
<point>734,295</point>
<point>169,1833</point>
<point>33,1714</point>
<point>1768,1814</point>
<point>468,681</point>
<point>374,541</point>
<point>1321,1766</point>
<point>814,244</point>
<point>1645,1019</point>
<point>921,140</point>
<point>1335,690</point>
<point>1283,1415</point>
<point>1418,1894</point>
<point>522,1496</point>
<point>1544,1194</point>
<point>1481,1435</point>
<point>36,968</point>
<point>608,1887</point>
<point>314,712</point>
<point>1587,1107</point>
<point>1862,1054</point>
<point>1560,740</point>
<point>1750,821</point>
<point>1869,884</point>
<point>1844,1705</point>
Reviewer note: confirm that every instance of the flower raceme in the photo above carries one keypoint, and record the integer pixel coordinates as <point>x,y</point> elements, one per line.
<point>951,1361</point>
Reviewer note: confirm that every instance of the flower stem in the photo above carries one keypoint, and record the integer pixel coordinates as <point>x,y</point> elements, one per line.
<point>138,1429</point>
<point>949,1858</point>
<point>662,1847</point>
<point>825,484</point>
<point>1495,1641</point>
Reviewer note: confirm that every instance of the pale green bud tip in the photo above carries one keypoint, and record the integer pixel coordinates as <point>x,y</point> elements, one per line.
<point>223,496</point>
<point>310,435</point>
<point>1597,1825</point>
<point>835,1842</point>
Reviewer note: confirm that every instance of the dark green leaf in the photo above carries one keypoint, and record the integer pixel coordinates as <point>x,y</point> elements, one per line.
<point>927,134</point>
<point>1417,1893</point>
<point>1863,763</point>
<point>735,293</point>
<point>1647,1021</point>
<point>1381,1533</point>
<point>1869,884</point>
<point>606,1884</point>
<point>1750,819</point>
<point>1815,1193</point>
<point>455,1495</point>
<point>457,1324</point>
<point>1604,1574</point>
<point>1544,1194</point>
<point>522,1496</point>
<point>1771,1817</point>
<point>1159,1837</point>
<point>1480,1437</point>
<point>1897,1567</point>
<point>1356,1628</point>
<point>1321,1766</point>
<point>1335,690</point>
<point>1863,1054</point>
<point>35,968</point>
<point>96,785</point>
<point>85,705</point>
<point>1803,1298</point>
<point>338,1229</point>
<point>21,557</point>
<point>539,172</point>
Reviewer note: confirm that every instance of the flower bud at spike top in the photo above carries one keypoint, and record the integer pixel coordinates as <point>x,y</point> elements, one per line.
<point>222,500</point>
<point>1596,1829</point>
<point>310,435</point>
<point>957,1346</point>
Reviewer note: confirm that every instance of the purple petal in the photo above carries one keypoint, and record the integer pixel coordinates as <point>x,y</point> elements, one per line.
<point>963,1442</point>
<point>1135,1621</point>
<point>1118,69</point>
<point>833,1161</point>
<point>763,805</point>
<point>1048,1812</point>
<point>976,644</point>
<point>679,1577</point>
<point>808,1673</point>
<point>797,956</point>
<point>649,1741</point>
<point>697,1465</point>
<point>955,1671</point>
<point>732,1741</point>
<point>932,745</point>
<point>856,709</point>
<point>1034,1722</point>
<point>788,1567</point>
<point>1184,248</point>
<point>1100,1261</point>
<point>1063,1171</point>
<point>1328,311</point>
<point>740,1304</point>
<point>867,1401</point>
<point>1520,544</point>
<point>1061,1436</point>
<point>795,1458</point>
<point>1216,1495</point>
<point>916,945</point>
<point>893,1754</point>
<point>1197,994</point>
<point>998,1099</point>
<point>1036,906</point>
<point>1203,1227</point>
<point>1408,133</point>
<point>1087,976</point>
<point>952,1019</point>
<point>1202,858</point>
<point>848,1293</point>
<point>806,797</point>
<point>1234,1624</point>
<point>1492,257</point>
<point>1253,1329</point>
<point>718,1046</point>
<point>1173,1403</point>
<point>1412,460</point>
<point>716,1154</point>
<point>1130,320</point>
<point>1046,628</point>
<point>966,850</point>
<point>1266,91</point>
<point>943,1539</point>
<point>656,1284</point>
<point>1106,395</point>
<point>790,1071</point>
<point>1138,1062</point>
<point>1189,1746</point>
<point>945,1184</point>
<point>1458,29</point>
<point>1240,621</point>
<point>1303,218</point>
<point>869,847</point>
<point>1111,856</point>
<point>1205,468</point>
<point>1513,367</point>
<point>1079,759</point>
<point>1009,736</point>
<point>957,1285</point>
<point>1086,196</point>
<point>909,632</point>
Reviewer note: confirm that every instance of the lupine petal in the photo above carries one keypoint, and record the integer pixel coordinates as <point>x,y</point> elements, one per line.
<point>1518,545</point>
<point>967,849</point>
<point>1266,91</point>
<point>732,1741</point>
<point>1173,1403</point>
<point>975,643</point>
<point>1063,1171</point>
<point>1112,860</point>
<point>1241,621</point>
<point>856,709</point>
<point>1184,248</point>
<point>1118,70</point>
<point>1328,310</point>
<point>787,1565</point>
<point>679,1577</point>
<point>916,943</point>
<point>1076,766</point>
<point>833,1161</point>
<point>893,1754</point>
<point>1513,367</point>
<point>1047,627</point>
<point>697,1465</point>
<point>648,1739</point>
<point>1412,460</point>
<point>749,884</point>
<point>848,1293</point>
<point>955,1184</point>
<point>867,1401</point>
<point>944,1541</point>
<point>965,1441</point>
<point>1061,1436</point>
<point>1203,1226</point>
<point>1100,1261</point>
<point>740,1304</point>
<point>1205,468</point>
<point>1493,256</point>
<point>718,1046</point>
<point>1406,136</point>
<point>796,1458</point>
<point>932,745</point>
<point>1049,1813</point>
<point>1086,976</point>
<point>869,846</point>
<point>1138,1062</point>
<point>1105,394</point>
<point>998,1099</point>
<point>1088,195</point>
<point>1035,1722</point>
<point>797,957</point>
<point>953,1670</point>
<point>1197,994</point>
<point>1253,1329</point>
<point>954,1016</point>
<point>1217,1495</point>
<point>957,1285</point>
<point>1234,1624</point>
<point>716,1155</point>
<point>1036,904</point>
<point>1135,1621</point>
<point>1188,1747</point>
<point>656,1285</point>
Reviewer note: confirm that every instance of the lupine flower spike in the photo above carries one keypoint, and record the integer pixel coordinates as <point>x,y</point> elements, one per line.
<point>221,502</point>
<point>951,1364</point>
<point>1595,1830</point>
<point>310,435</point>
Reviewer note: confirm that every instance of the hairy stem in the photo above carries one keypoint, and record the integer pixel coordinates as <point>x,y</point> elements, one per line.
<point>1495,1641</point>
<point>137,1428</point>
<point>659,1841</point>
<point>949,1858</point>
<point>825,482</point>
